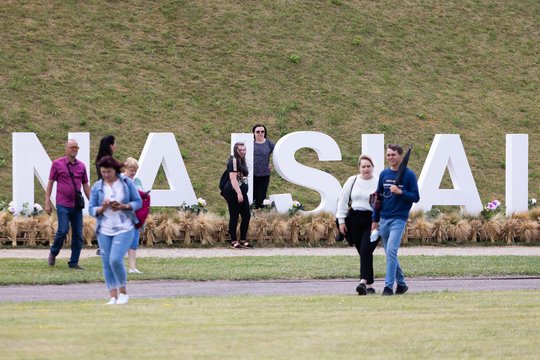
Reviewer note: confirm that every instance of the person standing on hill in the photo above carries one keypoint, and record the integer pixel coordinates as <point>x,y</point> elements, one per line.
<point>69,174</point>
<point>391,218</point>
<point>130,169</point>
<point>107,147</point>
<point>235,192</point>
<point>262,149</point>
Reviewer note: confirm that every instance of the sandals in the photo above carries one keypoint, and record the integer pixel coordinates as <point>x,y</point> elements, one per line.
<point>236,245</point>
<point>246,244</point>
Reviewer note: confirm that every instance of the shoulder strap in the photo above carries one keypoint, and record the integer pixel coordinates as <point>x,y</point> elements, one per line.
<point>350,193</point>
<point>71,175</point>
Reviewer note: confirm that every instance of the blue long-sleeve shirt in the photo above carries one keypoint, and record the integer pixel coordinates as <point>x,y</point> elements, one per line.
<point>393,205</point>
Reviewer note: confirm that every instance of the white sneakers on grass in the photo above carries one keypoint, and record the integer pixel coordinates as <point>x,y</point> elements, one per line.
<point>134,271</point>
<point>122,300</point>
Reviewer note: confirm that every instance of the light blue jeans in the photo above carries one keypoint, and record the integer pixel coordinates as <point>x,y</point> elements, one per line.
<point>113,249</point>
<point>391,231</point>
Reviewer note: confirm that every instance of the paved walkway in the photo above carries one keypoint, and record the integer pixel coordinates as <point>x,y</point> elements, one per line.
<point>158,289</point>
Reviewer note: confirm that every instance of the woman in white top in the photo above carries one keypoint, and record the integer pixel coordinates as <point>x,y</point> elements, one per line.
<point>113,201</point>
<point>358,188</point>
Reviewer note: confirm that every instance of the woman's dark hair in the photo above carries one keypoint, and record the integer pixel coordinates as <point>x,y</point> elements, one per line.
<point>240,161</point>
<point>397,148</point>
<point>105,147</point>
<point>259,125</point>
<point>104,150</point>
<point>110,163</point>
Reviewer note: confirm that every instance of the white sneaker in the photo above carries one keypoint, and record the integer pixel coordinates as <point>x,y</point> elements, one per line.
<point>122,299</point>
<point>112,301</point>
<point>134,271</point>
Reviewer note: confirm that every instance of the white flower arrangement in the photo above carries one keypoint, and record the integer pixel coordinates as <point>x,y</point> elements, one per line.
<point>201,202</point>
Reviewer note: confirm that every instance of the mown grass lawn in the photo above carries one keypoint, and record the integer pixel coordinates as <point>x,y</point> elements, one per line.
<point>486,325</point>
<point>34,271</point>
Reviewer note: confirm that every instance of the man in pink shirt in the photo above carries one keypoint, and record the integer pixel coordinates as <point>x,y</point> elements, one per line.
<point>62,171</point>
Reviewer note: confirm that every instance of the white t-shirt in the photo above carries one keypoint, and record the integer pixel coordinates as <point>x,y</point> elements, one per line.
<point>359,195</point>
<point>114,222</point>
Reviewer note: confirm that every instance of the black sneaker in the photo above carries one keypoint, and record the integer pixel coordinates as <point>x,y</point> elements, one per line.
<point>371,291</point>
<point>98,252</point>
<point>76,267</point>
<point>387,291</point>
<point>51,260</point>
<point>361,289</point>
<point>401,289</point>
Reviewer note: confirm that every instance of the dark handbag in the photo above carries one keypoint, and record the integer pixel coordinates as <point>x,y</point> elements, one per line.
<point>79,199</point>
<point>375,201</point>
<point>340,236</point>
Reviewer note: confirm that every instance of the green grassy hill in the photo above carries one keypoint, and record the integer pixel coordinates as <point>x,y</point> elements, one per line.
<point>204,69</point>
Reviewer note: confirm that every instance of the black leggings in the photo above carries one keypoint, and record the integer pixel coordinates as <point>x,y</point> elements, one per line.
<point>260,187</point>
<point>238,209</point>
<point>360,231</point>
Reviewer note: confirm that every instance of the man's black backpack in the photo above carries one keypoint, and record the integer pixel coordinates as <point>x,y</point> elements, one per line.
<point>223,180</point>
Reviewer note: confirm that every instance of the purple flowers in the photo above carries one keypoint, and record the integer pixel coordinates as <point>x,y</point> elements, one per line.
<point>494,205</point>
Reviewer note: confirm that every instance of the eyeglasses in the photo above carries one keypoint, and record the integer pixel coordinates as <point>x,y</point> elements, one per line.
<point>259,131</point>
<point>74,147</point>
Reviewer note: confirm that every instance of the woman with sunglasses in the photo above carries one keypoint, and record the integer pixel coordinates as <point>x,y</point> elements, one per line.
<point>262,148</point>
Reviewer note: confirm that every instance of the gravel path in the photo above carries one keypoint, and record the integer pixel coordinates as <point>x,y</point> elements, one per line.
<point>334,251</point>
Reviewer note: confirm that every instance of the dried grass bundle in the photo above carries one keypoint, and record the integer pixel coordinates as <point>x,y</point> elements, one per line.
<point>257,229</point>
<point>31,228</point>
<point>420,228</point>
<point>528,230</point>
<point>205,227</point>
<point>491,229</point>
<point>221,230</point>
<point>5,218</point>
<point>534,213</point>
<point>148,232</point>
<point>186,222</point>
<point>476,227</point>
<point>89,229</point>
<point>440,229</point>
<point>294,223</point>
<point>416,214</point>
<point>510,229</point>
<point>461,231</point>
<point>328,220</point>
<point>168,230</point>
<point>315,231</point>
<point>278,229</point>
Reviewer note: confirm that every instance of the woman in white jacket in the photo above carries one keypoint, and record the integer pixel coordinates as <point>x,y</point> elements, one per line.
<point>358,188</point>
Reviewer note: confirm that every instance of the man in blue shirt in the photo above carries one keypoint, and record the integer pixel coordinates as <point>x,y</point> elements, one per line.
<point>391,218</point>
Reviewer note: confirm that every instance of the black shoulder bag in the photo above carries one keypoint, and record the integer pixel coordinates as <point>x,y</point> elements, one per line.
<point>340,236</point>
<point>79,200</point>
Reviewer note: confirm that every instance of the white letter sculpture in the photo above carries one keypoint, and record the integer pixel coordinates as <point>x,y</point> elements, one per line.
<point>447,151</point>
<point>162,148</point>
<point>517,173</point>
<point>291,170</point>
<point>30,158</point>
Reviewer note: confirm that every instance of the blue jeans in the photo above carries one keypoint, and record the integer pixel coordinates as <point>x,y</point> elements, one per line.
<point>135,242</point>
<point>66,216</point>
<point>391,231</point>
<point>113,249</point>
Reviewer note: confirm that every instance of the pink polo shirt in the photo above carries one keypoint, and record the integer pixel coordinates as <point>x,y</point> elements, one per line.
<point>65,193</point>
